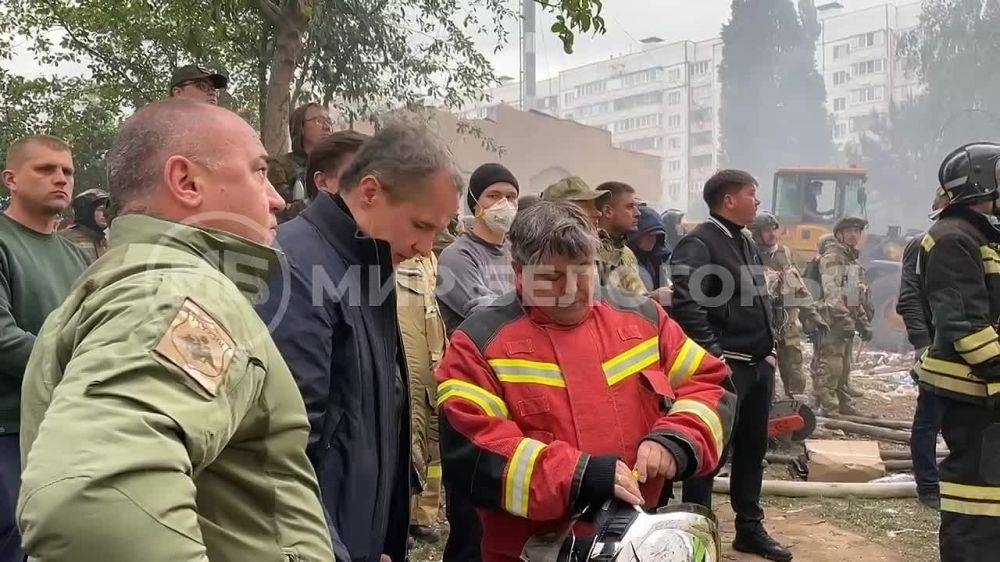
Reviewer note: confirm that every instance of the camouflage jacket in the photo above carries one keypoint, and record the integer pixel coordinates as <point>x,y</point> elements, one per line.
<point>794,307</point>
<point>617,266</point>
<point>846,298</point>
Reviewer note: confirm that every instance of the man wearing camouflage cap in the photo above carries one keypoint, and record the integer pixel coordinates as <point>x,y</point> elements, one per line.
<point>794,309</point>
<point>198,82</point>
<point>616,266</point>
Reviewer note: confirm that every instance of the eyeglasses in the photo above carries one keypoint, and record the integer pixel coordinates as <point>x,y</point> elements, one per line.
<point>203,85</point>
<point>321,121</point>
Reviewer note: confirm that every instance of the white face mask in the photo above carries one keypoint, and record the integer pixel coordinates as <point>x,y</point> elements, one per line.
<point>500,216</point>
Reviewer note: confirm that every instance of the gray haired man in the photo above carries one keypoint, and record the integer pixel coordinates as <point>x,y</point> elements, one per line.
<point>333,316</point>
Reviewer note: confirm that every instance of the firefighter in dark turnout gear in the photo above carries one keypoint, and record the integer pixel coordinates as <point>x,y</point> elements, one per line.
<point>959,269</point>
<point>89,224</point>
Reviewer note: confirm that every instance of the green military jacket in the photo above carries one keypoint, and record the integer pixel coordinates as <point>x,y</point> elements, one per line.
<point>795,308</point>
<point>618,267</point>
<point>159,422</point>
<point>846,298</point>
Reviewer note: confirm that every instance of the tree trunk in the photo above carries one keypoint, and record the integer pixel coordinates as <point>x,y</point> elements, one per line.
<point>290,28</point>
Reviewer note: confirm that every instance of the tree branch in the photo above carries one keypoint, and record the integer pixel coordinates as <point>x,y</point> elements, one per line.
<point>271,12</point>
<point>117,66</point>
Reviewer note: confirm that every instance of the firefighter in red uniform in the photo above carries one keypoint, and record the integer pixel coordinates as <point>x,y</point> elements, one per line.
<point>556,399</point>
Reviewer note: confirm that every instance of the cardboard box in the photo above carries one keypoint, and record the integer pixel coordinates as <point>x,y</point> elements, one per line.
<point>843,461</point>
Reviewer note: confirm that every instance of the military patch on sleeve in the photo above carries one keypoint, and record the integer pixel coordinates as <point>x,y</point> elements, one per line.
<point>199,346</point>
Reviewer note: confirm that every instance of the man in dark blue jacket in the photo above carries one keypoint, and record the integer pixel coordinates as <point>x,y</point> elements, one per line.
<point>332,313</point>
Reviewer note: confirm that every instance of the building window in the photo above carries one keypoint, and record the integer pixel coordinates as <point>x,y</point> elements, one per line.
<point>674,122</point>
<point>841,51</point>
<point>591,88</point>
<point>674,143</point>
<point>870,39</point>
<point>674,166</point>
<point>839,104</point>
<point>868,94</point>
<point>876,66</point>
<point>636,123</point>
<point>674,98</point>
<point>839,130</point>
<point>700,68</point>
<point>701,139</point>
<point>674,75</point>
<point>840,77</point>
<point>702,161</point>
<point>642,77</point>
<point>639,100</point>
<point>645,143</point>
<point>570,96</point>
<point>674,188</point>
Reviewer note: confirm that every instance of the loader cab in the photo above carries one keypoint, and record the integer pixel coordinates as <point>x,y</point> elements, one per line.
<point>808,201</point>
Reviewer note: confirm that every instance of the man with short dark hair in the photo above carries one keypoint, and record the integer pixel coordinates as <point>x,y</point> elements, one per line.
<point>167,427</point>
<point>335,321</point>
<point>37,269</point>
<point>721,301</point>
<point>563,397</point>
<point>617,265</point>
<point>197,82</point>
<point>328,159</point>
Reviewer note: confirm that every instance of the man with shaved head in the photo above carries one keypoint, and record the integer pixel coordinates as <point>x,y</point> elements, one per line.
<point>159,420</point>
<point>37,269</point>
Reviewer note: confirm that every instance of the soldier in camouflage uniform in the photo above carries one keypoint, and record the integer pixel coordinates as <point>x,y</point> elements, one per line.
<point>794,309</point>
<point>847,309</point>
<point>617,266</point>
<point>424,340</point>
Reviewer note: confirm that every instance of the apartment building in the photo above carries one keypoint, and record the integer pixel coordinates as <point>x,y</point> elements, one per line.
<point>664,100</point>
<point>858,57</point>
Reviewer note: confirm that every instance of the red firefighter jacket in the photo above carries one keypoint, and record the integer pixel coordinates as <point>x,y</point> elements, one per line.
<point>528,404</point>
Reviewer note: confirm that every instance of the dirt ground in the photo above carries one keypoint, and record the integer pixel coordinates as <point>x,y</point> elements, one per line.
<point>836,530</point>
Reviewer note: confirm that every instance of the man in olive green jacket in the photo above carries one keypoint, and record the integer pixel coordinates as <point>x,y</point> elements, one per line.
<point>159,421</point>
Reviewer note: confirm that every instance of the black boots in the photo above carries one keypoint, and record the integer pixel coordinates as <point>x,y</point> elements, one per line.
<point>755,540</point>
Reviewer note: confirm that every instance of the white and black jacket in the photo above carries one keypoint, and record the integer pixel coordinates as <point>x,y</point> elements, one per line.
<point>728,311</point>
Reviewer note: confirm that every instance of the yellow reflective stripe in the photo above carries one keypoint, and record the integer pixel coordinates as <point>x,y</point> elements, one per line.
<point>927,243</point>
<point>985,353</point>
<point>970,508</point>
<point>991,259</point>
<point>946,367</point>
<point>707,415</point>
<point>434,471</point>
<point>976,340</point>
<point>517,493</point>
<point>970,492</point>
<point>632,361</point>
<point>686,363</point>
<point>520,371</point>
<point>970,500</point>
<point>948,383</point>
<point>489,403</point>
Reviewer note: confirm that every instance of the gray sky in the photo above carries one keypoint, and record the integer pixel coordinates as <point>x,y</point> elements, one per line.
<point>629,21</point>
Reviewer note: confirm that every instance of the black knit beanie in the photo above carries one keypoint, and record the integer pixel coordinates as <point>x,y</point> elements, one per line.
<point>485,176</point>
